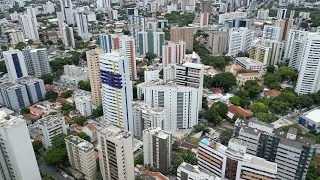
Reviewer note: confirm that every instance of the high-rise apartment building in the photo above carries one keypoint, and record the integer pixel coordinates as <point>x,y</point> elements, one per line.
<point>271,33</point>
<point>115,153</point>
<point>185,34</point>
<point>51,126</point>
<point>81,156</point>
<point>240,39</point>
<point>83,105</point>
<point>35,88</point>
<point>37,61</point>
<point>276,51</point>
<point>290,151</point>
<point>173,53</point>
<point>186,171</point>
<point>157,149</point>
<point>68,37</point>
<point>309,71</point>
<point>206,6</point>
<point>61,20</point>
<point>125,45</point>
<point>82,25</point>
<point>263,14</point>
<point>15,64</point>
<point>151,74</point>
<point>69,15</point>
<point>260,52</point>
<point>217,42</point>
<point>116,90</point>
<point>232,162</point>
<point>187,74</point>
<point>138,24</point>
<point>105,4</point>
<point>29,26</point>
<point>151,42</point>
<point>204,19</point>
<point>181,103</point>
<point>94,75</point>
<point>141,87</point>
<point>13,95</point>
<point>16,37</point>
<point>17,156</point>
<point>145,117</point>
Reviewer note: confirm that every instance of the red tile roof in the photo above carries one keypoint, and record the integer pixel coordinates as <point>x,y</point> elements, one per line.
<point>216,90</point>
<point>237,67</point>
<point>237,109</point>
<point>154,174</point>
<point>272,93</point>
<point>91,127</point>
<point>37,138</point>
<point>251,74</point>
<point>78,127</point>
<point>31,117</point>
<point>36,111</point>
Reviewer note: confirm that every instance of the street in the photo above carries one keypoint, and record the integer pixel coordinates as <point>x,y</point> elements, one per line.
<point>51,171</point>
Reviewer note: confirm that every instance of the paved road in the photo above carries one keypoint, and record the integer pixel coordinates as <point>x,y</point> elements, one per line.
<point>51,171</point>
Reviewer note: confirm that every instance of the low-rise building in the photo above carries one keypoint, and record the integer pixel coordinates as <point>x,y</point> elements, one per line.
<point>84,105</point>
<point>248,63</point>
<point>73,74</point>
<point>244,77</point>
<point>311,119</point>
<point>233,110</point>
<point>186,171</point>
<point>81,156</point>
<point>51,126</point>
<point>91,131</point>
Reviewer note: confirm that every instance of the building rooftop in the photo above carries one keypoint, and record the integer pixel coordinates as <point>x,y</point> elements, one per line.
<point>50,120</point>
<point>149,175</point>
<point>250,74</point>
<point>10,85</point>
<point>195,172</point>
<point>237,109</point>
<point>28,79</point>
<point>154,110</point>
<point>80,143</point>
<point>272,93</point>
<point>114,131</point>
<point>313,115</point>
<point>8,121</point>
<point>193,65</point>
<point>249,61</point>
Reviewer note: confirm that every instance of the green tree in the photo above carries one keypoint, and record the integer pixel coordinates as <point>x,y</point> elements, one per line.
<point>235,117</point>
<point>186,156</point>
<point>225,81</point>
<point>150,56</point>
<point>84,85</point>
<point>204,103</point>
<point>254,91</point>
<point>25,110</point>
<point>80,120</point>
<point>30,42</point>
<point>221,108</point>
<point>55,156</point>
<point>212,115</point>
<point>3,67</point>
<point>242,54</point>
<point>242,94</point>
<point>266,117</point>
<point>20,46</point>
<point>270,68</point>
<point>67,94</point>
<point>313,172</point>
<point>244,103</point>
<point>286,73</point>
<point>279,106</point>
<point>111,31</point>
<point>138,160</point>
<point>51,96</point>
<point>58,63</point>
<point>98,111</point>
<point>37,145</point>
<point>259,107</point>
<point>59,42</point>
<point>225,136</point>
<point>83,135</point>
<point>304,101</point>
<point>47,78</point>
<point>126,32</point>
<point>58,141</point>
<point>67,107</point>
<point>289,97</point>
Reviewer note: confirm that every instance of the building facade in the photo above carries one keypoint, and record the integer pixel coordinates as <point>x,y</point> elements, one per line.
<point>37,61</point>
<point>94,75</point>
<point>35,88</point>
<point>116,90</point>
<point>68,37</point>
<point>29,26</point>
<point>240,39</point>
<point>18,160</point>
<point>81,156</point>
<point>115,153</point>
<point>157,149</point>
<point>218,42</point>
<point>185,34</point>
<point>16,37</point>
<point>51,126</point>
<point>151,42</point>
<point>15,64</point>
<point>173,53</point>
<point>13,95</point>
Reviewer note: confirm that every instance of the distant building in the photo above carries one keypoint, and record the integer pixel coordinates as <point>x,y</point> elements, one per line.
<point>35,88</point>
<point>151,74</point>
<point>244,77</point>
<point>185,34</point>
<point>263,14</point>
<point>91,131</point>
<point>115,153</point>
<point>141,87</point>
<point>16,37</point>
<point>51,126</point>
<point>81,156</point>
<point>84,105</point>
<point>173,53</point>
<point>15,64</point>
<point>37,61</point>
<point>29,26</point>
<point>240,40</point>
<point>151,42</point>
<point>217,42</point>
<point>18,160</point>
<point>157,149</point>
<point>73,74</point>
<point>68,37</point>
<point>248,63</point>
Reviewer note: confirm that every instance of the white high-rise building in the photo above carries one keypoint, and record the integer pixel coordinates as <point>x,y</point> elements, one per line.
<point>181,103</point>
<point>116,90</point>
<point>37,61</point>
<point>16,37</point>
<point>69,16</point>
<point>115,153</point>
<point>187,74</point>
<point>81,156</point>
<point>105,4</point>
<point>294,48</point>
<point>15,64</point>
<point>309,71</point>
<point>277,49</point>
<point>61,20</point>
<point>263,14</point>
<point>151,42</point>
<point>240,39</point>
<point>145,117</point>
<point>151,74</point>
<point>13,95</point>
<point>29,26</point>
<point>82,25</point>
<point>271,33</point>
<point>173,53</point>
<point>157,149</point>
<point>84,105</point>
<point>17,159</point>
<point>68,37</point>
<point>48,8</point>
<point>51,126</point>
